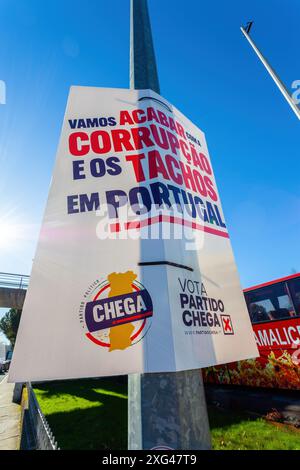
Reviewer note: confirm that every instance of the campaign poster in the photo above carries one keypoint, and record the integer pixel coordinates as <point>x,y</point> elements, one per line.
<point>134,270</point>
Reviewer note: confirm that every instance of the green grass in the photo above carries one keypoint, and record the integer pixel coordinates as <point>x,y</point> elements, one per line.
<point>92,414</point>
<point>86,414</point>
<point>238,431</point>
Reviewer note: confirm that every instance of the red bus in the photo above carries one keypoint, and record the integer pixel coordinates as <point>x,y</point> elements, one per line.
<point>274,310</point>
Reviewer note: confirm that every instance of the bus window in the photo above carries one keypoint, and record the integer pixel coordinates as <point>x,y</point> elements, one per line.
<point>269,303</point>
<point>294,287</point>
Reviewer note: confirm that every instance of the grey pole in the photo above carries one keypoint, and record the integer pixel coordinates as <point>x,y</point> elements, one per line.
<point>143,71</point>
<point>164,409</point>
<point>273,74</point>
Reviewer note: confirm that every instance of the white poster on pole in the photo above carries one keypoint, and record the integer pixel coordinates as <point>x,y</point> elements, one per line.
<point>134,270</point>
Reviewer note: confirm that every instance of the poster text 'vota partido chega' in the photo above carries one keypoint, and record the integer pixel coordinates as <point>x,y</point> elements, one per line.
<point>156,147</point>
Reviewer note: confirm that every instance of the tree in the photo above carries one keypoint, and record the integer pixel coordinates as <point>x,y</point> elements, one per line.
<point>9,324</point>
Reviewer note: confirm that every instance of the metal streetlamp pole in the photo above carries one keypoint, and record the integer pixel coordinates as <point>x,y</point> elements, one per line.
<point>271,71</point>
<point>143,70</point>
<point>164,409</point>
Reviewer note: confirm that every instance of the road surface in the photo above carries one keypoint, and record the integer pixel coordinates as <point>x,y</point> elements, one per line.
<point>259,401</point>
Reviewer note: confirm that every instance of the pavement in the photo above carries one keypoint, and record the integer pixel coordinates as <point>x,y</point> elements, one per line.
<point>10,417</point>
<point>258,401</point>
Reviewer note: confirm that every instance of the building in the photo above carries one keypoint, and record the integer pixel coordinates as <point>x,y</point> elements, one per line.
<point>4,348</point>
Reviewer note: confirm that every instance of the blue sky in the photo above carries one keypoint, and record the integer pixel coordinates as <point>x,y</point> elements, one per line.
<point>206,69</point>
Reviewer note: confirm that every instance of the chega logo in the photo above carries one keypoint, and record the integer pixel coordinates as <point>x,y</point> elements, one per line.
<point>117,312</point>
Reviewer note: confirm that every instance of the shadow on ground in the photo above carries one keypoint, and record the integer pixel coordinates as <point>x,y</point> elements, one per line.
<point>92,414</point>
<point>86,414</point>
